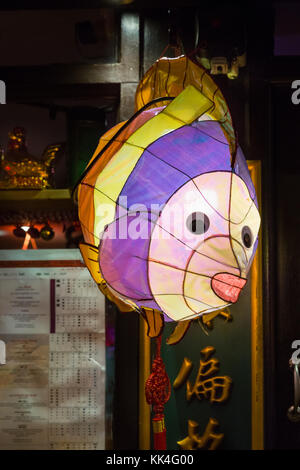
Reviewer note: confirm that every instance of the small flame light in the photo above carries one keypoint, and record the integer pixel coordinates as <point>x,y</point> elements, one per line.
<point>47,233</point>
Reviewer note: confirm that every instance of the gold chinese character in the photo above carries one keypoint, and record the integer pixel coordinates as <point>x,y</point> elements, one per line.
<point>195,441</point>
<point>216,388</point>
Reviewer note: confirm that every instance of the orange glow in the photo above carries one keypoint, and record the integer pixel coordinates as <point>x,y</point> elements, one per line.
<point>27,240</point>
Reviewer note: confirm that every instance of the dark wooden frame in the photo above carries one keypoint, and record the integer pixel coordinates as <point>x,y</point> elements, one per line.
<point>260,49</point>
<point>283,71</point>
<point>26,82</point>
<point>266,73</point>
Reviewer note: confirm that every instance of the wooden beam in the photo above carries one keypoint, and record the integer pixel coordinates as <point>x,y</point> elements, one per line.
<point>127,100</point>
<point>127,70</point>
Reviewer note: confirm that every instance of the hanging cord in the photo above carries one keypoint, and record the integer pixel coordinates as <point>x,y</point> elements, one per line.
<point>158,391</point>
<point>175,43</point>
<point>178,49</point>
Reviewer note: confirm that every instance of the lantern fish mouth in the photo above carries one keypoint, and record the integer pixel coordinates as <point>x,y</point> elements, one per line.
<point>228,286</point>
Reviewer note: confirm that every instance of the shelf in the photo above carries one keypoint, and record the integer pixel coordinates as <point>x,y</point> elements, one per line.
<point>35,199</point>
<point>34,194</point>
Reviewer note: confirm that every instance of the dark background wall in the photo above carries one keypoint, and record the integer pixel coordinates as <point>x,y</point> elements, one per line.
<point>41,129</point>
<point>267,124</point>
<point>43,36</point>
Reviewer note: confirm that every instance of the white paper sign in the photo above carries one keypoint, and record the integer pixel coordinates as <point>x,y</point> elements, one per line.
<point>52,386</point>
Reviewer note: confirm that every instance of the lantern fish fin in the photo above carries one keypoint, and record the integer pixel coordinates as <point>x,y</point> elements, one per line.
<point>207,318</point>
<point>179,332</point>
<point>90,255</point>
<point>123,305</point>
<point>155,321</point>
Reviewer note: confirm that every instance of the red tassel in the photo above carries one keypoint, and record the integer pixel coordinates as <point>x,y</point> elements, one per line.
<point>158,391</point>
<point>159,433</point>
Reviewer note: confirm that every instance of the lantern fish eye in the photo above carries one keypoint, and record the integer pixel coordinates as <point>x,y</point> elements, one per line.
<point>197,223</point>
<point>247,236</point>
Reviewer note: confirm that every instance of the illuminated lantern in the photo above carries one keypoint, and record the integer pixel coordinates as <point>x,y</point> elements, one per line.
<point>169,213</point>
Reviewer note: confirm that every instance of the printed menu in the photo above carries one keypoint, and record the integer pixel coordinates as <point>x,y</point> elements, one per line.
<point>52,385</point>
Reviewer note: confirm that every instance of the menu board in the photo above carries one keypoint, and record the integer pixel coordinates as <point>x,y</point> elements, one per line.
<point>52,385</point>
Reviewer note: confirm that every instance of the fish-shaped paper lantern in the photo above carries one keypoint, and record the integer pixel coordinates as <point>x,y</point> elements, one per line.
<point>170,221</point>
<point>169,212</point>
